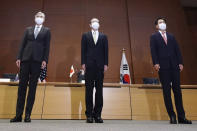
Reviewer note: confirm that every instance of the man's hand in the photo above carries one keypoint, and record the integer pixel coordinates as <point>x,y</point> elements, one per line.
<point>105,68</point>
<point>43,64</point>
<point>181,67</point>
<point>18,63</point>
<point>157,67</point>
<point>83,67</point>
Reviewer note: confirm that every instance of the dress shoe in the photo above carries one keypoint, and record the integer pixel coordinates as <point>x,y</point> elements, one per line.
<point>184,121</point>
<point>89,119</point>
<point>173,120</point>
<point>27,118</point>
<point>98,120</point>
<point>16,119</point>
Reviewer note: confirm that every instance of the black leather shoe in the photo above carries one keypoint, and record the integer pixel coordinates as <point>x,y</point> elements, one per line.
<point>98,120</point>
<point>27,118</point>
<point>184,121</point>
<point>16,119</point>
<point>173,120</point>
<point>89,119</point>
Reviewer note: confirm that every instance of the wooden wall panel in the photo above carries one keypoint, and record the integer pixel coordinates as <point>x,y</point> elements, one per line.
<point>69,103</point>
<point>148,104</point>
<point>8,99</point>
<point>127,23</point>
<point>141,23</point>
<point>69,19</point>
<point>58,102</point>
<point>191,18</point>
<point>15,17</point>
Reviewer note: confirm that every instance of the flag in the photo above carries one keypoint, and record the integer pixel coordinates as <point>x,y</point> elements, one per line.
<point>72,71</point>
<point>124,70</point>
<point>43,74</point>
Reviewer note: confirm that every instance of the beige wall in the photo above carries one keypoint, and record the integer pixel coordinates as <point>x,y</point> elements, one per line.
<point>58,102</point>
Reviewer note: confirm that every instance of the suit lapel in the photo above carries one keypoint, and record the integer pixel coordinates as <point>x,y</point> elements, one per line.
<point>99,36</point>
<point>32,32</point>
<point>41,30</point>
<point>167,37</point>
<point>90,36</point>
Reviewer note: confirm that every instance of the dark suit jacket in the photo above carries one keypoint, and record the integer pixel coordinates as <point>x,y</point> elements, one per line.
<point>91,53</point>
<point>38,48</point>
<point>167,56</point>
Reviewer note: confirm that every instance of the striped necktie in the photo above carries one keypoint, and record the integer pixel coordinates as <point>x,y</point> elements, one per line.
<point>94,37</point>
<point>164,38</point>
<point>36,32</point>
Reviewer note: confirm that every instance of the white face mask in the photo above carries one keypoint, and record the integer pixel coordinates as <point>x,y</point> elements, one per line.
<point>95,25</point>
<point>162,26</point>
<point>39,20</point>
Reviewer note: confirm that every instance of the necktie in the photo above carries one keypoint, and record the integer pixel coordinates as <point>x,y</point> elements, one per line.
<point>94,37</point>
<point>164,37</point>
<point>36,32</point>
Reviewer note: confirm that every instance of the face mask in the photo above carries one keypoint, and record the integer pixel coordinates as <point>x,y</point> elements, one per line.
<point>162,26</point>
<point>95,25</point>
<point>39,20</point>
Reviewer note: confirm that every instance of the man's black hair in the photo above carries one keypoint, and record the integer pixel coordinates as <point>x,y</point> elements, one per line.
<point>159,18</point>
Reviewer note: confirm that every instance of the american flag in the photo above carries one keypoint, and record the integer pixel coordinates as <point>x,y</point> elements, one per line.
<point>43,74</point>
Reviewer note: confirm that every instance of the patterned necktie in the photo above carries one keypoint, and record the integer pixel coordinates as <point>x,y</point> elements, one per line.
<point>94,37</point>
<point>36,32</point>
<point>164,37</point>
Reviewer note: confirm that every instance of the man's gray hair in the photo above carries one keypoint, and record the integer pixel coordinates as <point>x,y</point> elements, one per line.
<point>40,13</point>
<point>94,20</point>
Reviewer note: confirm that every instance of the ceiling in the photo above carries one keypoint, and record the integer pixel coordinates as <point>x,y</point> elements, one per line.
<point>189,3</point>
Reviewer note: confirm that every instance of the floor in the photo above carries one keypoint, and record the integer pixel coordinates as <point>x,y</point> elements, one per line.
<point>108,125</point>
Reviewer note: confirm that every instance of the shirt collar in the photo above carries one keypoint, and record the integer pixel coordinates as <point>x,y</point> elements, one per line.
<point>95,31</point>
<point>40,26</point>
<point>162,33</point>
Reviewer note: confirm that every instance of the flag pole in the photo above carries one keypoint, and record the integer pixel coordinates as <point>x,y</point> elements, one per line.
<point>71,79</point>
<point>123,50</point>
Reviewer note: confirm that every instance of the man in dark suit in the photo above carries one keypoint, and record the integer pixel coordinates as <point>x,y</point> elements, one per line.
<point>168,62</point>
<point>33,55</point>
<point>94,60</point>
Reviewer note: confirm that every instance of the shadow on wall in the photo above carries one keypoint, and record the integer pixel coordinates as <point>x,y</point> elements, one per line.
<point>155,102</point>
<point>78,103</point>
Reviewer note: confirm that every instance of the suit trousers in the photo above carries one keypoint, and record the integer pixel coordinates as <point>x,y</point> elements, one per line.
<point>29,74</point>
<point>94,78</point>
<point>170,79</point>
